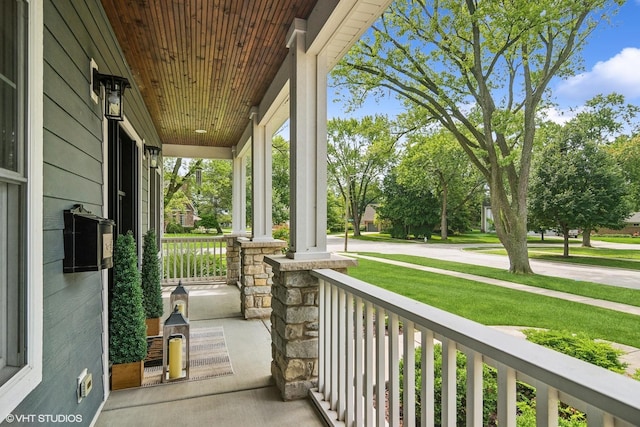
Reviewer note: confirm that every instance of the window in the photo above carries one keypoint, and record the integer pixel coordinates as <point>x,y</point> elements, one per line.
<point>20,201</point>
<point>13,184</point>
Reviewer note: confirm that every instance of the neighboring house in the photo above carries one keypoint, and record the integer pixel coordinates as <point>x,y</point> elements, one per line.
<point>368,220</point>
<point>631,227</point>
<point>186,217</point>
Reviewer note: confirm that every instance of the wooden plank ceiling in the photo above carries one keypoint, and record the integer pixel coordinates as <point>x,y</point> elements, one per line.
<point>202,64</point>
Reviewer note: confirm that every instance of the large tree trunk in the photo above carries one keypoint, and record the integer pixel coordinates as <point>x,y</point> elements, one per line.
<point>511,227</point>
<point>565,237</point>
<point>586,237</point>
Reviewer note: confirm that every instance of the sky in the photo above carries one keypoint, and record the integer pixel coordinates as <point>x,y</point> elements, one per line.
<point>611,64</point>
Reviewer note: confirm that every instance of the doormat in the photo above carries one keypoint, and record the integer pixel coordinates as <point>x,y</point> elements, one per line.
<point>208,357</point>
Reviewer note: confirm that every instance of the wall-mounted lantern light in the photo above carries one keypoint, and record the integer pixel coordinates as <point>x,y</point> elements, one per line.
<point>114,93</point>
<point>153,152</point>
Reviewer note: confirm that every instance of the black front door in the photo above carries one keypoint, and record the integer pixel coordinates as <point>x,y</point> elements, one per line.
<point>123,180</point>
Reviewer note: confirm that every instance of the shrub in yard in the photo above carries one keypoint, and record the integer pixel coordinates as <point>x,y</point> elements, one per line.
<point>576,345</point>
<point>174,228</point>
<point>193,263</point>
<point>579,346</point>
<point>489,385</point>
<point>281,232</point>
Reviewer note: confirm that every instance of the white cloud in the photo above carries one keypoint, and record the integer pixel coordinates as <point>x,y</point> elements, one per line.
<point>559,115</point>
<point>618,74</point>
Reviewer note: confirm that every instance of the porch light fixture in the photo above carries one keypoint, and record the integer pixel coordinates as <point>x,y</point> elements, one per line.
<point>114,93</point>
<point>153,152</point>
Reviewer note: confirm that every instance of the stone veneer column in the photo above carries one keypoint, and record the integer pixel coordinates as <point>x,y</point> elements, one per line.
<point>256,276</point>
<point>294,322</point>
<point>233,260</point>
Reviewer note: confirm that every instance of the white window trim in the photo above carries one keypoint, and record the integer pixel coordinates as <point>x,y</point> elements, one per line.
<point>16,389</point>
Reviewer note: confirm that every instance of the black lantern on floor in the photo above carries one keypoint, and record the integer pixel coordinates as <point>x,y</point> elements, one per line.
<point>114,93</point>
<point>180,298</point>
<point>175,347</point>
<point>153,152</point>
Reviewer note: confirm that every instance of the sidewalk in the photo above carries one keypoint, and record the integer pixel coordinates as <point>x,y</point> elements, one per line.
<point>631,354</point>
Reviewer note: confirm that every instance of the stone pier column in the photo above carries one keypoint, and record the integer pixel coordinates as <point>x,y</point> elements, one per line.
<point>294,322</point>
<point>233,260</point>
<point>256,276</point>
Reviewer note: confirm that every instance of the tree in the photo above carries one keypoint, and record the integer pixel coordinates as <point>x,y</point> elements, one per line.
<point>358,154</point>
<point>437,161</point>
<point>495,58</point>
<point>600,119</point>
<point>280,180</point>
<point>626,152</point>
<point>577,186</point>
<point>212,195</point>
<point>412,210</point>
<point>173,179</point>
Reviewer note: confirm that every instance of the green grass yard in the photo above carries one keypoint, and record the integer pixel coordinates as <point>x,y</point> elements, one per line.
<point>576,287</point>
<point>491,305</point>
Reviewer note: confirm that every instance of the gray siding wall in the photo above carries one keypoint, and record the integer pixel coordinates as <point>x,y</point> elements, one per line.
<point>75,32</point>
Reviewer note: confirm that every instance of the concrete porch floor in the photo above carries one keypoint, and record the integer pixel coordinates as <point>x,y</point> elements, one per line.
<point>246,398</point>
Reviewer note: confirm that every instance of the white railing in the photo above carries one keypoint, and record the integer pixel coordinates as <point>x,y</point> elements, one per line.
<point>358,354</point>
<point>193,259</point>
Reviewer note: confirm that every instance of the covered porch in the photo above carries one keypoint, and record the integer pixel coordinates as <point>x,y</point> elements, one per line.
<point>316,335</point>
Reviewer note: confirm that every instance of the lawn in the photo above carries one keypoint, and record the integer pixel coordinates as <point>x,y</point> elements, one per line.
<point>491,305</point>
<point>613,258</point>
<point>629,240</point>
<point>576,287</point>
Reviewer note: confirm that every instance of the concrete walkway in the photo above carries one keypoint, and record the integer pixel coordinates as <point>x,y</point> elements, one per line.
<point>631,354</point>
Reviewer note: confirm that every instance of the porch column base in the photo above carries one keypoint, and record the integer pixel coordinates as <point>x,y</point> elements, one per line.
<point>233,261</point>
<point>294,321</point>
<point>256,276</point>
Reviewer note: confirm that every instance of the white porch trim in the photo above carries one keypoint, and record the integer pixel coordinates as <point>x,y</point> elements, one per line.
<point>261,184</point>
<point>308,160</point>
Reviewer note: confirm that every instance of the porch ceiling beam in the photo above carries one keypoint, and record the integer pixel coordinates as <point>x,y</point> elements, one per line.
<point>196,152</point>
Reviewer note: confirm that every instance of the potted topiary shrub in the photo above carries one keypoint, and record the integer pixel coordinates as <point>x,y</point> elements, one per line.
<point>151,291</point>
<point>127,329</point>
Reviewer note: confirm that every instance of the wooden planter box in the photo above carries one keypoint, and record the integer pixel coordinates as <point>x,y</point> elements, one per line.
<point>153,326</point>
<point>127,375</point>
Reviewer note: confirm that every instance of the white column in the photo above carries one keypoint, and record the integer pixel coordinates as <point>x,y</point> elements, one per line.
<point>261,189</point>
<point>308,162</point>
<point>239,195</point>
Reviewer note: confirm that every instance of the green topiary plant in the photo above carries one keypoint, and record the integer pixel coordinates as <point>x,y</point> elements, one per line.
<point>127,329</point>
<point>151,291</point>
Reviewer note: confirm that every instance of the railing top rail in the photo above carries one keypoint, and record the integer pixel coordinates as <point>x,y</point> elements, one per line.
<point>611,392</point>
<point>191,239</point>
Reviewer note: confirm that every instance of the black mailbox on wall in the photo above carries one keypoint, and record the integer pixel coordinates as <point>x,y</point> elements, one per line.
<point>88,241</point>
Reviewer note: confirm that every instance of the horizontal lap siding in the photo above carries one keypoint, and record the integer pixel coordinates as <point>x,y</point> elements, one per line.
<point>74,33</point>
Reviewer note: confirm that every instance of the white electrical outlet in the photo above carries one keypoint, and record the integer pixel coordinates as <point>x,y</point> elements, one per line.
<point>84,385</point>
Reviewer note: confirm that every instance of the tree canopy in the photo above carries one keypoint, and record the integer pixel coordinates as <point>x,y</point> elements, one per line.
<point>434,160</point>
<point>577,187</point>
<point>481,70</point>
<point>359,153</point>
